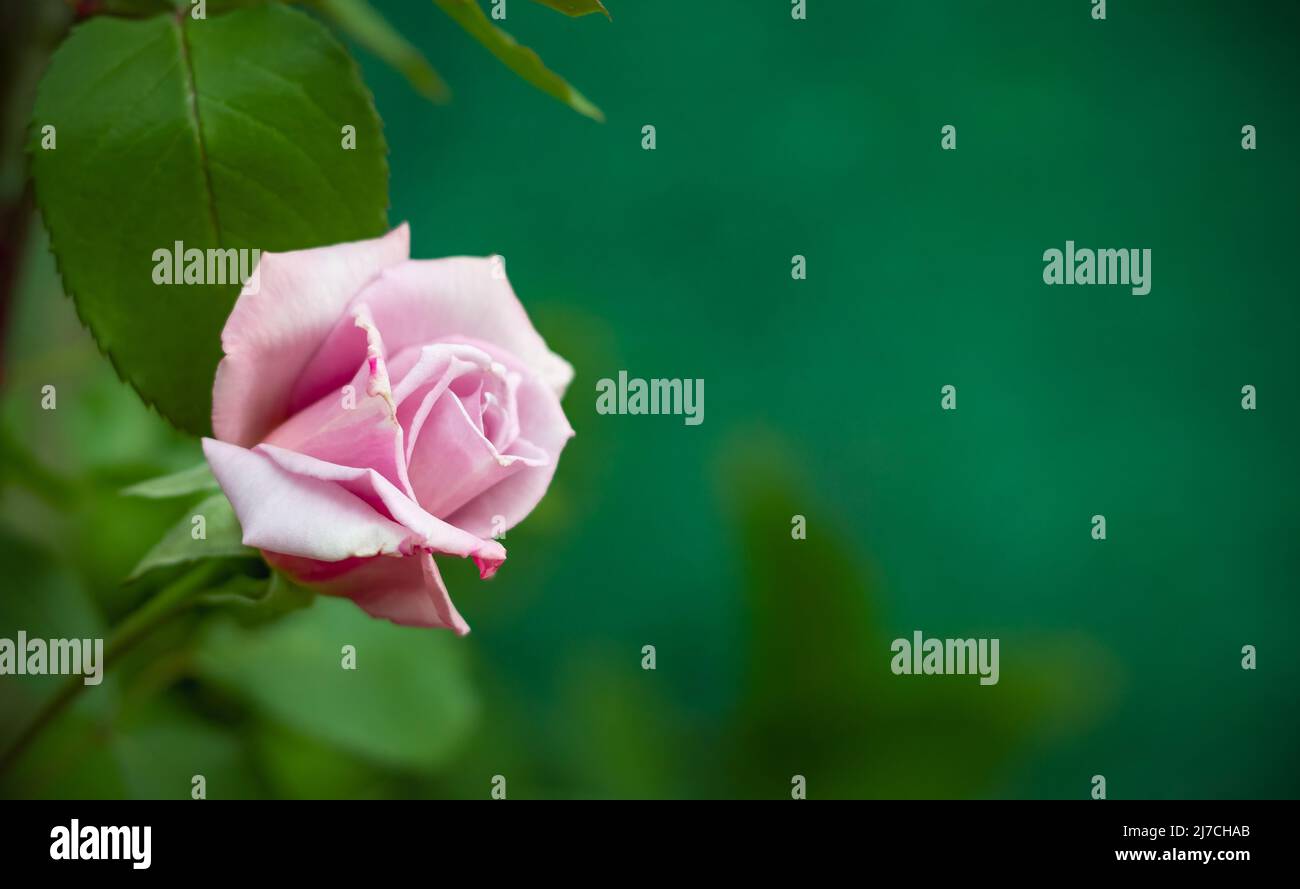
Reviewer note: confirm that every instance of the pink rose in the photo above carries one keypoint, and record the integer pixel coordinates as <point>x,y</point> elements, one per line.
<point>373,410</point>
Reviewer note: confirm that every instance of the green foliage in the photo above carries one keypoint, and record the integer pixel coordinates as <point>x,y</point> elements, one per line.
<point>138,8</point>
<point>299,766</point>
<point>177,484</point>
<point>408,704</point>
<point>219,133</point>
<point>222,537</point>
<point>98,748</point>
<point>48,600</point>
<point>821,700</point>
<point>575,7</point>
<point>363,23</point>
<point>519,59</point>
<point>160,749</point>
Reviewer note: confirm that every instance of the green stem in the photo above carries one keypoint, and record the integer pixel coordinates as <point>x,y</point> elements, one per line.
<point>171,602</point>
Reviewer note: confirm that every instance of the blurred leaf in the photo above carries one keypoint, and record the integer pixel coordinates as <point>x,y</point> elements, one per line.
<point>21,467</point>
<point>71,760</point>
<point>163,747</point>
<point>45,599</point>
<point>220,133</point>
<point>364,24</point>
<point>178,484</point>
<point>623,737</point>
<point>301,767</point>
<point>221,7</point>
<point>223,538</point>
<point>519,59</point>
<point>822,701</point>
<point>575,7</point>
<point>86,752</point>
<point>112,534</point>
<point>407,704</point>
<point>139,7</point>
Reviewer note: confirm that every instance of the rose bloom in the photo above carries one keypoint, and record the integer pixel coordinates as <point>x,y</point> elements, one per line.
<point>373,411</point>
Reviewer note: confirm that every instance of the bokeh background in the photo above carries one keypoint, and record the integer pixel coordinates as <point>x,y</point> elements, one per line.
<point>775,137</point>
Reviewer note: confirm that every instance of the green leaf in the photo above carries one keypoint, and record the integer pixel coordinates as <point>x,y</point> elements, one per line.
<point>576,7</point>
<point>218,133</point>
<point>519,59</point>
<point>223,538</point>
<point>820,698</point>
<point>44,597</point>
<point>162,747</point>
<point>364,24</point>
<point>408,703</point>
<point>298,766</point>
<point>137,7</point>
<point>178,484</point>
<point>257,600</point>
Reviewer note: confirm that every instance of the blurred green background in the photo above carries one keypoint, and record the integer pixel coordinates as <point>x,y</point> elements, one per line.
<point>776,137</point>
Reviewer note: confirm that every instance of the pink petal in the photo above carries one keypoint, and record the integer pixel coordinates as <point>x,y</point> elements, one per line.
<point>437,366</point>
<point>453,461</point>
<point>279,321</point>
<point>416,303</point>
<point>291,513</point>
<point>297,505</point>
<point>407,590</point>
<point>544,429</point>
<point>426,531</point>
<point>365,434</point>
